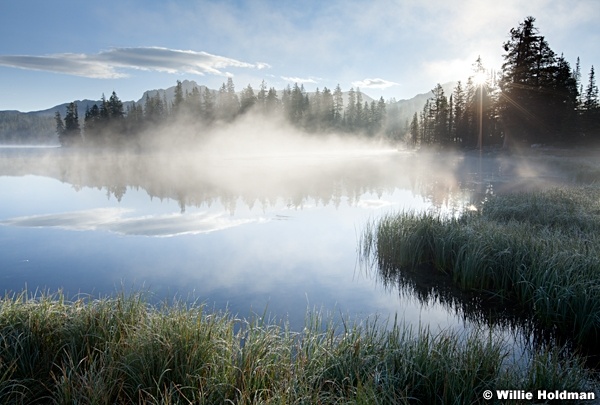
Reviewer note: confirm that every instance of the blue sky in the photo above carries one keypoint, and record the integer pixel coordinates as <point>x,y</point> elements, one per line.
<point>54,52</point>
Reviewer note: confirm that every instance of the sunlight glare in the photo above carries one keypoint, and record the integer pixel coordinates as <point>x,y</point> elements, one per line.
<point>479,78</point>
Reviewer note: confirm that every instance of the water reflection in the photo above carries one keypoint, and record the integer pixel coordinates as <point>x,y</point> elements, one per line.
<point>116,220</point>
<point>197,179</point>
<point>238,232</point>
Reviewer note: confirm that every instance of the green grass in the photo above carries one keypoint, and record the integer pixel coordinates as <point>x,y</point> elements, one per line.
<point>537,251</point>
<point>121,350</point>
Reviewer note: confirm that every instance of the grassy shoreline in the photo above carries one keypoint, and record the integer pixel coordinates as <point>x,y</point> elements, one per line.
<point>121,350</point>
<point>538,251</point>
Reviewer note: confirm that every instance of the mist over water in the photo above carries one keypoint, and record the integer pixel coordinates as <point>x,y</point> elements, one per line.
<point>255,218</point>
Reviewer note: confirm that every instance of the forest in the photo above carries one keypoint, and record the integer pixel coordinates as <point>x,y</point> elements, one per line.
<point>536,98</point>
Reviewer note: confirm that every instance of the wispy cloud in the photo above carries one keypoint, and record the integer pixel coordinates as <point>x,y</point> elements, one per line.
<point>374,84</point>
<point>114,220</point>
<point>109,64</point>
<point>312,80</point>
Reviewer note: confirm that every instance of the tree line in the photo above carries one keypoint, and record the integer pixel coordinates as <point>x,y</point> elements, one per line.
<point>537,98</point>
<point>109,123</point>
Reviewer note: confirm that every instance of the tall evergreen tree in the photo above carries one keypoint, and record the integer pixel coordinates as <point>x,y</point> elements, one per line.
<point>577,78</point>
<point>314,122</point>
<point>193,103</point>
<point>591,109</point>
<point>338,106</point>
<point>426,126</point>
<point>458,114</point>
<point>247,100</point>
<point>228,102</point>
<point>536,89</point>
<point>350,114</point>
<point>178,98</point>
<point>71,134</point>
<point>439,114</point>
<point>154,109</point>
<point>208,105</point>
<point>60,125</point>
<point>115,107</point>
<point>381,118</point>
<point>134,119</point>
<point>272,103</point>
<point>414,131</point>
<point>261,97</point>
<point>92,124</point>
<point>327,113</point>
<point>590,101</point>
<point>360,114</point>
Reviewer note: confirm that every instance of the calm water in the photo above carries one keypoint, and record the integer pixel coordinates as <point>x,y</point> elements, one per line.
<point>251,233</point>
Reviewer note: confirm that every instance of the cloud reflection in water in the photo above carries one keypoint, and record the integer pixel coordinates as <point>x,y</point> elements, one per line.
<point>116,220</point>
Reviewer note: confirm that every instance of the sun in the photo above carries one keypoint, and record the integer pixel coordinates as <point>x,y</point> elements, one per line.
<point>479,78</point>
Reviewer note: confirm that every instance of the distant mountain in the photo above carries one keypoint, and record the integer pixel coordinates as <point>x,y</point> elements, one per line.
<point>169,94</point>
<point>62,108</point>
<point>40,127</point>
<point>405,109</point>
<point>27,128</point>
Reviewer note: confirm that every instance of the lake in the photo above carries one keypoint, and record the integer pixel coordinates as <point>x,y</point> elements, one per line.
<point>253,233</point>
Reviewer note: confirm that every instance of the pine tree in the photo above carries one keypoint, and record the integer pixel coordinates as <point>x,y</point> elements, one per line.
<point>458,115</point>
<point>71,134</point>
<point>134,118</point>
<point>228,102</point>
<point>414,131</point>
<point>91,124</point>
<point>426,124</point>
<point>314,121</point>
<point>115,107</point>
<point>327,114</point>
<point>591,109</point>
<point>350,114</point>
<point>381,117</point>
<point>272,103</point>
<point>296,103</point>
<point>178,98</point>
<point>60,125</point>
<point>439,114</point>
<point>261,98</point>
<point>154,109</point>
<point>537,87</point>
<point>208,105</point>
<point>561,103</point>
<point>338,106</point>
<point>359,118</point>
<point>248,99</point>
<point>193,102</point>
<point>577,78</point>
<point>590,101</point>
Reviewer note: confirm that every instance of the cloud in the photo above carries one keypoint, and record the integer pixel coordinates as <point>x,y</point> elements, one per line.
<point>312,80</point>
<point>114,220</point>
<point>374,84</point>
<point>107,64</point>
<point>374,204</point>
<point>68,63</point>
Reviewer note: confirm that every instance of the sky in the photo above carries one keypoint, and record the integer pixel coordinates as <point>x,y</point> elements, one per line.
<point>56,52</point>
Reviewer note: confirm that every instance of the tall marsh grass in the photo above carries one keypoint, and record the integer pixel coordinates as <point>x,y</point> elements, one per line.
<point>537,251</point>
<point>121,350</point>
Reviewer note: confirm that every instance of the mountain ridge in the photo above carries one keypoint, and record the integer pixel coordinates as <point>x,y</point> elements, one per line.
<point>39,126</point>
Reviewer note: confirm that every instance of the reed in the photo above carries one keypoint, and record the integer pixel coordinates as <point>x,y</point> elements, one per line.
<point>121,350</point>
<point>538,251</point>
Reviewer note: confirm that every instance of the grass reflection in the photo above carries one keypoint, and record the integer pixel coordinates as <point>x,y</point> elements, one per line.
<point>536,252</point>
<point>121,350</point>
